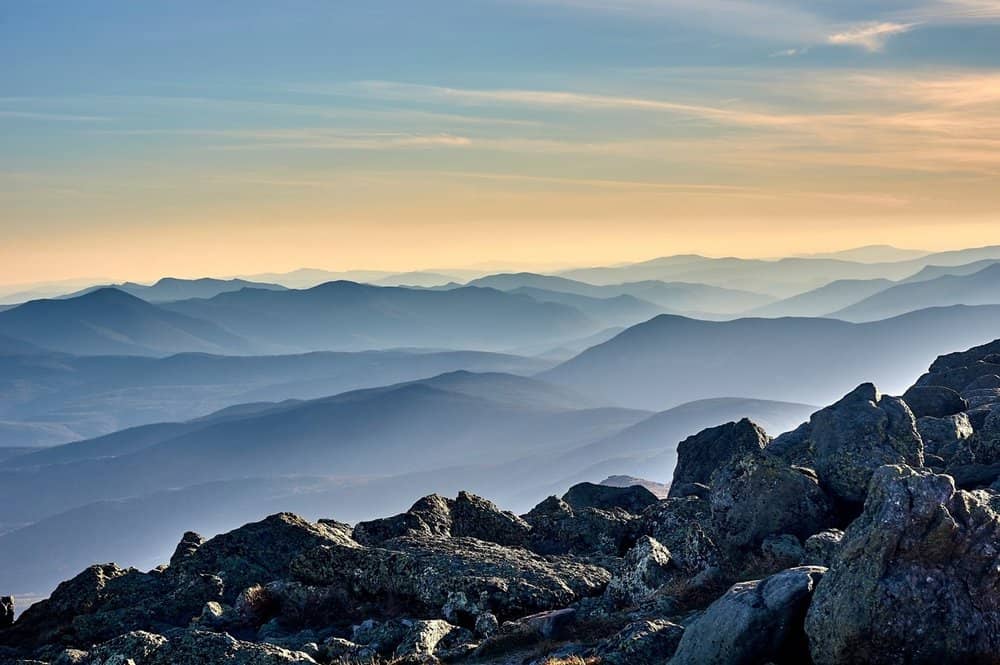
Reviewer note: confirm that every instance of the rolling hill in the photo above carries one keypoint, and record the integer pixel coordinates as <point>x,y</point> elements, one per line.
<point>347,316</point>
<point>48,398</point>
<point>979,288</point>
<point>109,321</point>
<point>670,359</point>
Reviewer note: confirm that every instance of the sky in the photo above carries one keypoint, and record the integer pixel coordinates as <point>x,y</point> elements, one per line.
<point>142,139</point>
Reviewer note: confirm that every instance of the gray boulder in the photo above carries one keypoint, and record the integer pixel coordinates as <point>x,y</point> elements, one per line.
<point>753,623</point>
<point>757,496</point>
<point>859,434</point>
<point>633,499</point>
<point>934,401</point>
<point>916,579</point>
<point>556,528</point>
<point>700,455</point>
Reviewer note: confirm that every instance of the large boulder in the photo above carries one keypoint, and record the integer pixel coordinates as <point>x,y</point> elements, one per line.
<point>700,455</point>
<point>633,499</point>
<point>199,647</point>
<point>916,578</point>
<point>467,516</point>
<point>753,623</point>
<point>556,528</point>
<point>934,401</point>
<point>428,574</point>
<point>756,496</point>
<point>859,434</point>
<point>259,552</point>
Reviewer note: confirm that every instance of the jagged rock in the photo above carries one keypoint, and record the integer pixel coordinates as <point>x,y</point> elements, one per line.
<point>642,643</point>
<point>700,455</point>
<point>199,648</point>
<point>428,637</point>
<point>6,611</point>
<point>680,525</point>
<point>942,436</point>
<point>558,529</point>
<point>756,496</point>
<point>754,622</point>
<point>467,516</point>
<point>859,434</point>
<point>646,569</point>
<point>821,548</point>
<point>934,401</point>
<point>425,572</point>
<point>294,603</point>
<point>189,544</point>
<point>104,601</point>
<point>632,499</point>
<point>916,580</point>
<point>71,657</point>
<point>259,552</point>
<point>137,646</point>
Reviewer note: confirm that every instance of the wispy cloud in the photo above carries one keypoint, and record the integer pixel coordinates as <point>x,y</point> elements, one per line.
<point>870,36</point>
<point>65,117</point>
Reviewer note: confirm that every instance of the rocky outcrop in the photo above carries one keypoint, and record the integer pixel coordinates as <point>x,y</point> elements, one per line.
<point>754,622</point>
<point>431,574</point>
<point>467,516</point>
<point>746,562</point>
<point>857,435</point>
<point>700,455</point>
<point>916,579</point>
<point>556,528</point>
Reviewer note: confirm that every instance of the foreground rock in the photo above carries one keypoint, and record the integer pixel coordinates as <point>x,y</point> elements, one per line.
<point>916,579</point>
<point>699,456</point>
<point>754,622</point>
<point>859,434</point>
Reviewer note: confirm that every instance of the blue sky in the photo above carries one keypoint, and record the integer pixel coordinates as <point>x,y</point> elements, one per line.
<point>187,137</point>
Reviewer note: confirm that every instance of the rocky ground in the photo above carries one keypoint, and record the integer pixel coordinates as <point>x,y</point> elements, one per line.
<point>871,534</point>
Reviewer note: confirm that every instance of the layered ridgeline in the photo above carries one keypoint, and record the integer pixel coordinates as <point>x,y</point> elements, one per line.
<point>867,535</point>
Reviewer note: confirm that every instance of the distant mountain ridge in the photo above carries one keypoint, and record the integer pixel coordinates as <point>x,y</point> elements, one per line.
<point>670,359</point>
<point>109,321</point>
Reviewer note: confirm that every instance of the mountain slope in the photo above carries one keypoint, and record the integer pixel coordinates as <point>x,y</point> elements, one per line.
<point>350,316</point>
<point>417,426</point>
<point>980,288</point>
<point>825,299</point>
<point>671,359</point>
<point>89,396</point>
<point>109,321</point>
<point>622,310</point>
